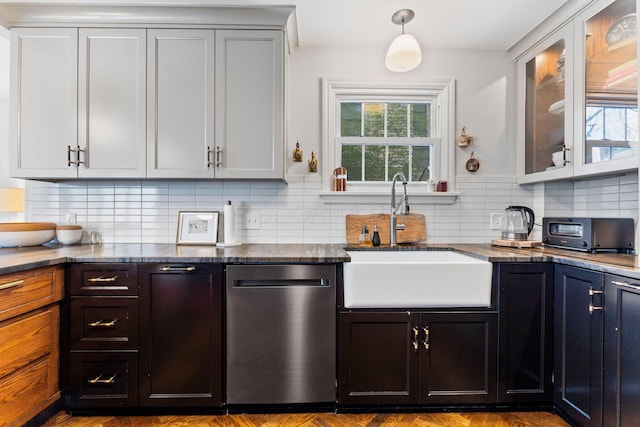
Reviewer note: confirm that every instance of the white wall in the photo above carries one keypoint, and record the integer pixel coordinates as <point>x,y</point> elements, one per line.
<point>485,104</point>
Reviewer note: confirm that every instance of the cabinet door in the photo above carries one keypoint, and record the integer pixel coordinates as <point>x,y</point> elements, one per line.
<point>622,355</point>
<point>578,344</point>
<point>607,79</point>
<point>525,332</point>
<point>180,335</point>
<point>44,96</point>
<point>458,362</point>
<point>378,358</point>
<point>112,102</point>
<point>180,116</point>
<point>249,104</point>
<point>545,109</point>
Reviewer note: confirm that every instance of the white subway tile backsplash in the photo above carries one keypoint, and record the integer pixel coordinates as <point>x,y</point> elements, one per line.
<point>139,211</point>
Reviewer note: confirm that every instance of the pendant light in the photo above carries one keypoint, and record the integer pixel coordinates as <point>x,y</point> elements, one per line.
<point>404,52</point>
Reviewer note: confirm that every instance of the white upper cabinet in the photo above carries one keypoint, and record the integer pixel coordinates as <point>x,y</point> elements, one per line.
<point>43,102</point>
<point>249,116</point>
<point>180,101</point>
<point>578,96</point>
<point>128,94</point>
<point>112,102</point>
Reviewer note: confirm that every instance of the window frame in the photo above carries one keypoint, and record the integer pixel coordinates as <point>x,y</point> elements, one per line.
<point>441,92</point>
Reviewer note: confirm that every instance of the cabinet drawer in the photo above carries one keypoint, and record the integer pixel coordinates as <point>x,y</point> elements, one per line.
<point>28,391</point>
<point>28,338</point>
<point>104,379</point>
<point>27,290</point>
<point>104,323</point>
<point>102,279</point>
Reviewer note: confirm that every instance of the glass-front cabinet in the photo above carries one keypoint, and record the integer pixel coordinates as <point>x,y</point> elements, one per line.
<point>545,122</point>
<point>579,96</point>
<point>607,122</point>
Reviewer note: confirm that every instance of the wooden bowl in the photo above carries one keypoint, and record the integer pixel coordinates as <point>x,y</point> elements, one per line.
<point>14,234</point>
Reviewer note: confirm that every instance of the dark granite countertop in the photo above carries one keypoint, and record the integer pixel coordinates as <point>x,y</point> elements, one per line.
<point>19,259</point>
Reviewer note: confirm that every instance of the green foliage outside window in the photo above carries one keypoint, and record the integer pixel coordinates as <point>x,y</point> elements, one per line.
<point>389,121</point>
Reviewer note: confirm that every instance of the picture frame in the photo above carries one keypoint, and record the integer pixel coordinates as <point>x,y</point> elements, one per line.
<point>197,228</point>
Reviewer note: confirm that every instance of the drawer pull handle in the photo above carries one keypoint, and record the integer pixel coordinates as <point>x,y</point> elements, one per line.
<point>625,284</point>
<point>11,284</point>
<point>102,279</point>
<point>416,331</point>
<point>102,324</point>
<point>174,268</point>
<point>100,380</point>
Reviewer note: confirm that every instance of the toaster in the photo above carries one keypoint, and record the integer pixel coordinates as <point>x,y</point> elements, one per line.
<point>589,234</point>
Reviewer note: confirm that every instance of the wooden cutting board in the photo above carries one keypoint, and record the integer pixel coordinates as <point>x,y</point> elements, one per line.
<point>516,243</point>
<point>415,227</point>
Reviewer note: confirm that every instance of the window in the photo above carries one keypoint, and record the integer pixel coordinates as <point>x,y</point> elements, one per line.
<point>609,132</point>
<point>377,129</point>
<point>378,139</point>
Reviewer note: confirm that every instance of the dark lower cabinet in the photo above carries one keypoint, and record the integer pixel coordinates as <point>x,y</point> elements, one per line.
<point>104,379</point>
<point>579,344</point>
<point>101,341</point>
<point>181,335</point>
<point>622,352</point>
<point>526,332</point>
<point>408,358</point>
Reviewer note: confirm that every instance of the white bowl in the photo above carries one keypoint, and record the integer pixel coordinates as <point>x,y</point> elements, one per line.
<point>558,158</point>
<point>13,234</point>
<point>69,234</point>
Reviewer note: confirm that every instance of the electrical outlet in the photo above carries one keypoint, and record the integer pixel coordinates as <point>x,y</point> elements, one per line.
<point>70,217</point>
<point>496,221</point>
<point>252,221</point>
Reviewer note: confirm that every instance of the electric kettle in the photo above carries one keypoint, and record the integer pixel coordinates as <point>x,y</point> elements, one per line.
<point>518,223</point>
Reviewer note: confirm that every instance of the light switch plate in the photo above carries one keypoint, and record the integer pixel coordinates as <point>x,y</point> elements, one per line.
<point>252,221</point>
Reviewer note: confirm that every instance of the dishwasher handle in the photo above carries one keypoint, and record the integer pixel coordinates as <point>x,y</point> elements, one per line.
<point>280,283</point>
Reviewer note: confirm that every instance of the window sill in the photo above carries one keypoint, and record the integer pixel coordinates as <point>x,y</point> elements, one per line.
<point>364,197</point>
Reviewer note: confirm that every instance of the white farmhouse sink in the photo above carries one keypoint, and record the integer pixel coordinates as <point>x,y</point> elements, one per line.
<point>402,279</point>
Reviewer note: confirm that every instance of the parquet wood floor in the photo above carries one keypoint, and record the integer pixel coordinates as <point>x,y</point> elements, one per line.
<point>464,419</point>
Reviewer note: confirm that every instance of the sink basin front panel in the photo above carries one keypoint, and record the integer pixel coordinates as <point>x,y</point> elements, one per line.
<point>401,279</point>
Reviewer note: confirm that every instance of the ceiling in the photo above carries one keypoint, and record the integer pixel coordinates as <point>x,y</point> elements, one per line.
<point>466,24</point>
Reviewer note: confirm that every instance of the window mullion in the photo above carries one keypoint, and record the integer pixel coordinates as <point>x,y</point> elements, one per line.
<point>363,168</point>
<point>386,162</point>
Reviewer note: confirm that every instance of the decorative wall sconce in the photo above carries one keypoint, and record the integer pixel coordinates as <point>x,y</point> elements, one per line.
<point>313,163</point>
<point>297,153</point>
<point>464,140</point>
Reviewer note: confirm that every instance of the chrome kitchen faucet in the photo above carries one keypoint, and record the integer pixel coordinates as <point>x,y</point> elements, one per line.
<point>405,207</point>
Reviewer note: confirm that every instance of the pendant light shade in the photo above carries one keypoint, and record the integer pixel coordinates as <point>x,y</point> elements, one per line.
<point>404,52</point>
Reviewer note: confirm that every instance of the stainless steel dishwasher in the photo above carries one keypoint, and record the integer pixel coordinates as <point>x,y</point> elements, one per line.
<point>281,334</point>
